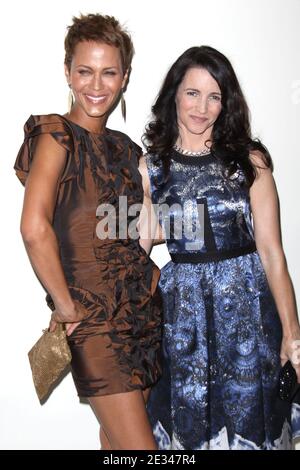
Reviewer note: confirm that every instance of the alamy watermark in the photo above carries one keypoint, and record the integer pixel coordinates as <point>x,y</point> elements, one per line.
<point>136,221</point>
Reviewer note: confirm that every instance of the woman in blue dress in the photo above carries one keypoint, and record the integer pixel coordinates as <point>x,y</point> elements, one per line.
<point>230,318</point>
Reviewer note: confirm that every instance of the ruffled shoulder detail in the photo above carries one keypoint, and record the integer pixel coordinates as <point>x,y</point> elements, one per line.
<point>60,130</point>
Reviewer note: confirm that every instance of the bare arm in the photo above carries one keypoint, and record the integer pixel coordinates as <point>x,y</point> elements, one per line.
<point>36,226</point>
<point>265,209</point>
<point>149,227</point>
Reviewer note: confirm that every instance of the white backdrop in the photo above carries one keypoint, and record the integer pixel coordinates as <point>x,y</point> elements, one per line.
<point>260,37</point>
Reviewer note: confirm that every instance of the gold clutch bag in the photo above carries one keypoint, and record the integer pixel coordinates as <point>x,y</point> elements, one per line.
<point>49,358</point>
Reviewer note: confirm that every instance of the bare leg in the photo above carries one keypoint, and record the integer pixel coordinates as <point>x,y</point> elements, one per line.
<point>124,421</point>
<point>105,444</point>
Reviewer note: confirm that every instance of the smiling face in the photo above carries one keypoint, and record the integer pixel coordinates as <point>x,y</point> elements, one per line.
<point>198,104</point>
<point>96,78</point>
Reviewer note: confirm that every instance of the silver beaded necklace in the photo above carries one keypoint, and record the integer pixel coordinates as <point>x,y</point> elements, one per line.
<point>189,153</point>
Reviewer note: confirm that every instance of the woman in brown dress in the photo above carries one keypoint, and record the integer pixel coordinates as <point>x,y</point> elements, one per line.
<point>78,174</point>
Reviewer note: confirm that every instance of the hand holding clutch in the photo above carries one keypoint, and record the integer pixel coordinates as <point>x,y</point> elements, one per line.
<point>288,386</point>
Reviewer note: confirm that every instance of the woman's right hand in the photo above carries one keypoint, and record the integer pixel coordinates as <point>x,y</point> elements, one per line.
<point>71,317</point>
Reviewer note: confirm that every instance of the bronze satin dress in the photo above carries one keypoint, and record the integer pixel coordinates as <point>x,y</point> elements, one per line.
<point>116,348</point>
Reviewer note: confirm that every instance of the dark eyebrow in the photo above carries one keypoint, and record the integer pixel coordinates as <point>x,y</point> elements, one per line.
<point>195,89</point>
<point>192,89</point>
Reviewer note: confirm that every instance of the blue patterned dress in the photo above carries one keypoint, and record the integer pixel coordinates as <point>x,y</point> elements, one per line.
<point>222,332</point>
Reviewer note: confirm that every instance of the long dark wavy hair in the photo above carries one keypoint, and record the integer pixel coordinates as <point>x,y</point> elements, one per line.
<point>232,141</point>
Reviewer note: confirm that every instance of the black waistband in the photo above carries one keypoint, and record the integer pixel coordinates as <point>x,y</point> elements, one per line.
<point>212,256</point>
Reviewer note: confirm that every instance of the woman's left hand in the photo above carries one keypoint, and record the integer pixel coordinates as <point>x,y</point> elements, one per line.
<point>290,350</point>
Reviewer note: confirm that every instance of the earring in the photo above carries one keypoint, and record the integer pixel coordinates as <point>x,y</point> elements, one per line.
<point>70,98</point>
<point>123,106</point>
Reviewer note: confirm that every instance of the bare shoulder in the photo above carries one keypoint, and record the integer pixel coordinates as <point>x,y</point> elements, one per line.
<point>264,184</point>
<point>258,159</point>
<point>262,168</point>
